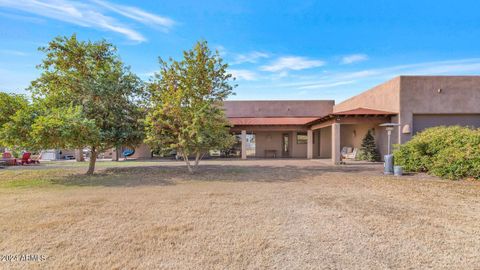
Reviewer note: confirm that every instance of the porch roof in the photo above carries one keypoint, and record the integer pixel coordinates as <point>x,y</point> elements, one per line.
<point>358,112</point>
<point>271,121</point>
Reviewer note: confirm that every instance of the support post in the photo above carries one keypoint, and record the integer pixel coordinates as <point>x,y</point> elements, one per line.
<point>309,144</point>
<point>244,144</point>
<point>336,158</point>
<point>79,155</point>
<point>115,154</point>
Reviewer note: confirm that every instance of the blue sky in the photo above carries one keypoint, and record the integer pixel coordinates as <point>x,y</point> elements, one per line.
<point>276,49</point>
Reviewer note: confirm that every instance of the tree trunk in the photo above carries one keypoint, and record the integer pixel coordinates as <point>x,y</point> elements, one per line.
<point>93,159</point>
<point>79,155</point>
<point>189,167</point>
<point>198,157</point>
<point>115,156</point>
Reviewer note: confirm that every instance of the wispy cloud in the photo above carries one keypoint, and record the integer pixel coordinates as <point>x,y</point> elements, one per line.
<point>292,63</point>
<point>221,50</point>
<point>325,85</point>
<point>89,14</point>
<point>22,18</point>
<point>251,57</point>
<point>244,74</point>
<point>354,58</point>
<point>335,79</point>
<point>13,52</point>
<point>137,14</point>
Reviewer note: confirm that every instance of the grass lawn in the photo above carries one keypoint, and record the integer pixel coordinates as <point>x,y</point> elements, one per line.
<point>284,214</point>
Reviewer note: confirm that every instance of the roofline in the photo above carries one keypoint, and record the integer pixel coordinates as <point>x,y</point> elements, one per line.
<point>312,116</point>
<point>276,100</point>
<point>428,76</point>
<point>373,88</point>
<point>334,115</point>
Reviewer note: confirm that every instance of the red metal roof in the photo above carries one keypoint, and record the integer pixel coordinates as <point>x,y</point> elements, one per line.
<point>270,121</point>
<point>354,112</point>
<point>363,111</point>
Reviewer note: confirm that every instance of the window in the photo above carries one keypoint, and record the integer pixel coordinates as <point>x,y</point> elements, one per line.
<point>302,138</point>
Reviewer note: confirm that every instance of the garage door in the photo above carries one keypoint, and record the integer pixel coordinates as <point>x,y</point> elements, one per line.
<point>423,121</point>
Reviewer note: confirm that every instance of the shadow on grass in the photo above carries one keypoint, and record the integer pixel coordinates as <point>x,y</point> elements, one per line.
<point>170,175</point>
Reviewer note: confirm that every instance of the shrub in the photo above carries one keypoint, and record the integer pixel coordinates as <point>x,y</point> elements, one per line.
<point>448,152</point>
<point>368,151</point>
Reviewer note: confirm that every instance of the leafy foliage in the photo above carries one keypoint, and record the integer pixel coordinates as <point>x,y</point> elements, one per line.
<point>84,97</point>
<point>64,128</point>
<point>9,105</point>
<point>186,104</point>
<point>16,133</point>
<point>368,150</point>
<point>449,152</point>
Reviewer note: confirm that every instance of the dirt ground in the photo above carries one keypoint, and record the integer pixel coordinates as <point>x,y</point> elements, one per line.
<point>259,214</point>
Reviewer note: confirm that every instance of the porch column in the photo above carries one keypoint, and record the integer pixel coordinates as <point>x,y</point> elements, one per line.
<point>336,143</point>
<point>79,155</point>
<point>309,144</point>
<point>244,144</point>
<point>115,154</point>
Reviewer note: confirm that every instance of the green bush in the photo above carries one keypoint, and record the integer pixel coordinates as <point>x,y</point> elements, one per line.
<point>368,150</point>
<point>449,152</point>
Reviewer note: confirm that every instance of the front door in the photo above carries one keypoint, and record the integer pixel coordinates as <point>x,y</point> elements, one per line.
<point>285,145</point>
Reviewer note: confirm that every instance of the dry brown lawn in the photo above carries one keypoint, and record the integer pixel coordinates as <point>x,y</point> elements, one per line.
<point>281,214</point>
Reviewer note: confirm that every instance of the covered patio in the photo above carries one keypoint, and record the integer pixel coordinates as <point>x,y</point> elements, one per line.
<point>309,137</point>
<point>346,129</point>
<point>272,137</point>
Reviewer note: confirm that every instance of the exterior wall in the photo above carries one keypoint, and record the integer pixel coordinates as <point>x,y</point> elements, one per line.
<point>420,95</point>
<point>142,151</point>
<point>348,139</point>
<point>268,141</point>
<point>325,142</point>
<point>298,150</point>
<point>423,121</point>
<point>316,144</point>
<point>278,108</point>
<point>385,97</point>
<point>66,152</point>
<point>273,140</point>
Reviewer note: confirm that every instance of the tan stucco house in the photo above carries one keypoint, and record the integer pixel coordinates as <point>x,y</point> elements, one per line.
<point>321,129</point>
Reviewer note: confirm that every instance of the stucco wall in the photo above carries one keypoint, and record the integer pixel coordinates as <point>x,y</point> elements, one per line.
<point>385,97</point>
<point>421,95</point>
<point>278,108</point>
<point>316,140</point>
<point>268,141</point>
<point>274,141</point>
<point>325,142</point>
<point>347,138</point>
<point>298,150</point>
<point>142,151</point>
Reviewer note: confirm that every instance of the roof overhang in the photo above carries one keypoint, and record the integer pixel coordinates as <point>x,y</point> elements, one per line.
<point>271,121</point>
<point>358,112</point>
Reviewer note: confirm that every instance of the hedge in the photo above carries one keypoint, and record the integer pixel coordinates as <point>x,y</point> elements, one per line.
<point>449,152</point>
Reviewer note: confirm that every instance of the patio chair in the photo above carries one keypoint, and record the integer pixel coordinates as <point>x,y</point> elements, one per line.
<point>346,151</point>
<point>9,159</point>
<point>35,159</point>
<point>26,159</point>
<point>353,154</point>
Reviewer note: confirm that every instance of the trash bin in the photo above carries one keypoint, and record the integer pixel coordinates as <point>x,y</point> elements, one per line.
<point>398,170</point>
<point>388,164</point>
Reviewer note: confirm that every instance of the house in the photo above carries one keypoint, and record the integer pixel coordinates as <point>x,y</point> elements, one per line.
<point>320,128</point>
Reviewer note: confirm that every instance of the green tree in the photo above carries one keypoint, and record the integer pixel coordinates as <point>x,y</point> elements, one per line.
<point>368,150</point>
<point>85,97</point>
<point>186,111</point>
<point>16,132</point>
<point>9,105</point>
